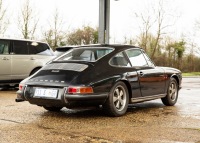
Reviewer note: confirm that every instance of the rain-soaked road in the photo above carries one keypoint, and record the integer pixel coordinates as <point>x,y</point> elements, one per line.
<point>145,122</point>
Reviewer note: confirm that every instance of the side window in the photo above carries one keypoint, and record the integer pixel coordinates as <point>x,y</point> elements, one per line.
<point>39,48</point>
<point>150,63</point>
<point>136,57</point>
<point>20,47</point>
<point>4,47</point>
<point>100,53</point>
<point>119,60</point>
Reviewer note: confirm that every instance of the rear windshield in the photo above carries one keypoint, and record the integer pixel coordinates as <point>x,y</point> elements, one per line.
<point>85,54</point>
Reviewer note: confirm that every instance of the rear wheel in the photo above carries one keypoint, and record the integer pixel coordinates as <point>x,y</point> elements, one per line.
<point>117,102</point>
<point>52,108</point>
<point>172,93</point>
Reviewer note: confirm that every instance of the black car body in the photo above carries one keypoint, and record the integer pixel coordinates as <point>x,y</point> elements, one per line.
<point>109,75</point>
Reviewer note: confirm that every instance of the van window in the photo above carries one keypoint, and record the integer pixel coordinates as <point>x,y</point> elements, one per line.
<point>4,47</point>
<point>20,47</point>
<point>39,48</point>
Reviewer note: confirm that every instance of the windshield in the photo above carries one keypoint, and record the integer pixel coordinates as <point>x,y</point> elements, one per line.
<point>90,54</point>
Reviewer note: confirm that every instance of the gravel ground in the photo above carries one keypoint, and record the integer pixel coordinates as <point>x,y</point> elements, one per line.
<point>148,122</point>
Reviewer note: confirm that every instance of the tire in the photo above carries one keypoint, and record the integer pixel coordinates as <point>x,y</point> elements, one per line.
<point>172,93</point>
<point>52,108</point>
<point>117,102</point>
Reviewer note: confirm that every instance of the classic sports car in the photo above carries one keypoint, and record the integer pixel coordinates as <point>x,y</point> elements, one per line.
<point>111,76</point>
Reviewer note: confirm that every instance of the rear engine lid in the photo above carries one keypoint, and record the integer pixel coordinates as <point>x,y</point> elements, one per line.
<point>57,74</point>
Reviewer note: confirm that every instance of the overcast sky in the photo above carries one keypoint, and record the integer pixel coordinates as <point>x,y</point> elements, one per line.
<point>76,13</point>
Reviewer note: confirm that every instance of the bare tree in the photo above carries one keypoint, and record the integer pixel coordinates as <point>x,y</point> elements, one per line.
<point>55,35</point>
<point>147,23</point>
<point>4,22</point>
<point>161,14</point>
<point>27,21</point>
<point>156,20</point>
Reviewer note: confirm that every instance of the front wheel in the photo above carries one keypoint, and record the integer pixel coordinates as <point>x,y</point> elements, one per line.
<point>52,108</point>
<point>117,102</point>
<point>172,93</point>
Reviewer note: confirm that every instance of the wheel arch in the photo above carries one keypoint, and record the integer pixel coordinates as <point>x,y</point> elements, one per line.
<point>128,87</point>
<point>34,70</point>
<point>176,78</point>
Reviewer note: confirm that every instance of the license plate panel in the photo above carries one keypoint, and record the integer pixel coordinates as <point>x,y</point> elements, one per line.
<point>46,93</point>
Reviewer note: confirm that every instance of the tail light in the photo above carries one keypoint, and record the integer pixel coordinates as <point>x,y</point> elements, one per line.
<point>20,87</point>
<point>80,90</point>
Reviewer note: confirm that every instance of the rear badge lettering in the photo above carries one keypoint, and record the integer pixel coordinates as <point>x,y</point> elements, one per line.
<point>55,71</point>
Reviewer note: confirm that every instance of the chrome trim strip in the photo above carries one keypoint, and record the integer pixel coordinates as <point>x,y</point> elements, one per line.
<point>147,98</point>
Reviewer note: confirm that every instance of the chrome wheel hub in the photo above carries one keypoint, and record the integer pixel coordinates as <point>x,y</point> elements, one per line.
<point>119,98</point>
<point>173,91</point>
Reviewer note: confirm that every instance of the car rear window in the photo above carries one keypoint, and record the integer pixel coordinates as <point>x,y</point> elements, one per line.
<point>85,54</point>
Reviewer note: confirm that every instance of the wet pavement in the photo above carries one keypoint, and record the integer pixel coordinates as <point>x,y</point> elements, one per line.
<point>148,122</point>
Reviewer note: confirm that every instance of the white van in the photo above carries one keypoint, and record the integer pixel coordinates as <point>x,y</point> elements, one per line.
<point>21,58</point>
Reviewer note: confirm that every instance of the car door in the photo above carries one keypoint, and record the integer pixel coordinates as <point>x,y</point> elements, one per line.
<point>120,61</point>
<point>151,79</point>
<point>21,62</point>
<point>5,60</point>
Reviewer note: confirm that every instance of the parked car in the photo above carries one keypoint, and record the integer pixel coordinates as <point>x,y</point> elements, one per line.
<point>21,58</point>
<point>61,50</point>
<point>112,76</point>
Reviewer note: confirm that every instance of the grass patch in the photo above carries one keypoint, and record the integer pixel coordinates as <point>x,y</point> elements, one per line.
<point>191,74</point>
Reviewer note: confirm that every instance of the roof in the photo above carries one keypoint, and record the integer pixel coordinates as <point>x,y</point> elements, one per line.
<point>28,40</point>
<point>119,47</point>
<point>107,45</point>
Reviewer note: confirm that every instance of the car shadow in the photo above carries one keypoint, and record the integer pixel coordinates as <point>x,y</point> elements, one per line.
<point>99,112</point>
<point>137,115</point>
<point>145,106</point>
<point>74,113</point>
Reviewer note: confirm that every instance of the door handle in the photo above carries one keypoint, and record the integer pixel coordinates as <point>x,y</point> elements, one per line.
<point>4,58</point>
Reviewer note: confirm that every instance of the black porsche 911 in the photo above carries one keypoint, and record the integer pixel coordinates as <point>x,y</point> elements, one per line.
<point>110,76</point>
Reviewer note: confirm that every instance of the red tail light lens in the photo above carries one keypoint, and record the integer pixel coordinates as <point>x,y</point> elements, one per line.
<point>80,90</point>
<point>20,86</point>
